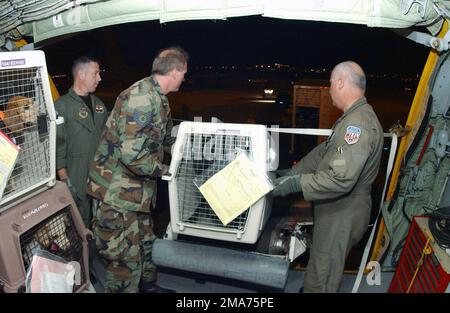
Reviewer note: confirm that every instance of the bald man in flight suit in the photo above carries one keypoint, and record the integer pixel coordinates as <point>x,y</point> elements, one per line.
<point>337,177</point>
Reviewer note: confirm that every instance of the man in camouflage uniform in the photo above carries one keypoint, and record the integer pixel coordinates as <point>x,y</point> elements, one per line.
<point>77,138</point>
<point>337,176</point>
<point>123,175</point>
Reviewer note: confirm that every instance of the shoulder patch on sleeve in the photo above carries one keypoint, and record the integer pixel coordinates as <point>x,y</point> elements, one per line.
<point>352,134</point>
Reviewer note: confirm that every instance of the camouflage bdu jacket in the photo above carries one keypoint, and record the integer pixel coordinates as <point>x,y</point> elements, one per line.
<point>129,158</point>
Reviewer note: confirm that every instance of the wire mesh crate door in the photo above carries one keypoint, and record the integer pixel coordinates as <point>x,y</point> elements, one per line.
<point>56,234</point>
<point>203,156</point>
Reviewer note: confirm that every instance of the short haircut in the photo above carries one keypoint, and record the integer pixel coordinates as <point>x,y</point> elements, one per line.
<point>357,79</point>
<point>354,73</point>
<point>81,62</point>
<point>168,59</point>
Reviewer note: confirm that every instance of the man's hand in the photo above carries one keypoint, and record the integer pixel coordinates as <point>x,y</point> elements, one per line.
<point>294,170</point>
<point>164,170</point>
<point>72,189</point>
<point>282,172</point>
<point>286,185</point>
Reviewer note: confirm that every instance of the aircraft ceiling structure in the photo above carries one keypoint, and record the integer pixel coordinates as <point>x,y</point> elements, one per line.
<point>46,19</point>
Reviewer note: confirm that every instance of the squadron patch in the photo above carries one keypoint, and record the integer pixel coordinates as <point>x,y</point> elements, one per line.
<point>143,119</point>
<point>352,134</point>
<point>83,113</point>
<point>99,108</point>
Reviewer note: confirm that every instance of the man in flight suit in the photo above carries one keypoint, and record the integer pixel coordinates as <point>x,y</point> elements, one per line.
<point>124,175</point>
<point>337,176</point>
<point>77,138</point>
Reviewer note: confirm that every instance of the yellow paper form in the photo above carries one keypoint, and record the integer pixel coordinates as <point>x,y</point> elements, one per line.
<point>235,188</point>
<point>8,156</point>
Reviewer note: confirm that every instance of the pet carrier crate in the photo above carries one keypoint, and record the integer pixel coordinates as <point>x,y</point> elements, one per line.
<point>424,267</point>
<point>28,119</point>
<point>35,211</point>
<point>200,151</point>
<point>48,221</point>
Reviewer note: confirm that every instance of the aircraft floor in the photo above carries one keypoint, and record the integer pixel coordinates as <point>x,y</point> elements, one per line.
<point>184,282</point>
<point>194,283</point>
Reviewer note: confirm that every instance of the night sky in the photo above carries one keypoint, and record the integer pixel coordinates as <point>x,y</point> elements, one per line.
<point>245,41</point>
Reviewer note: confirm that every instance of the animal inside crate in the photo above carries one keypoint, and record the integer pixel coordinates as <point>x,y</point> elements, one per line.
<point>28,119</point>
<point>48,221</point>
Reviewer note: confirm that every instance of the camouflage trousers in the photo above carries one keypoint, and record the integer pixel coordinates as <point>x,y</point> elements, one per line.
<point>124,239</point>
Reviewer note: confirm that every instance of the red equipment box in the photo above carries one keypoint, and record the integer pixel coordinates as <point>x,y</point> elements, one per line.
<point>424,267</point>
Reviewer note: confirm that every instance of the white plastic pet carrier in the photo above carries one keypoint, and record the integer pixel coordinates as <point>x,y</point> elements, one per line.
<point>29,120</point>
<point>200,151</point>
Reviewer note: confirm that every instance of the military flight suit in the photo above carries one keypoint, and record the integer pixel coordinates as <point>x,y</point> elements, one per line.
<point>76,142</point>
<point>123,178</point>
<point>337,176</point>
